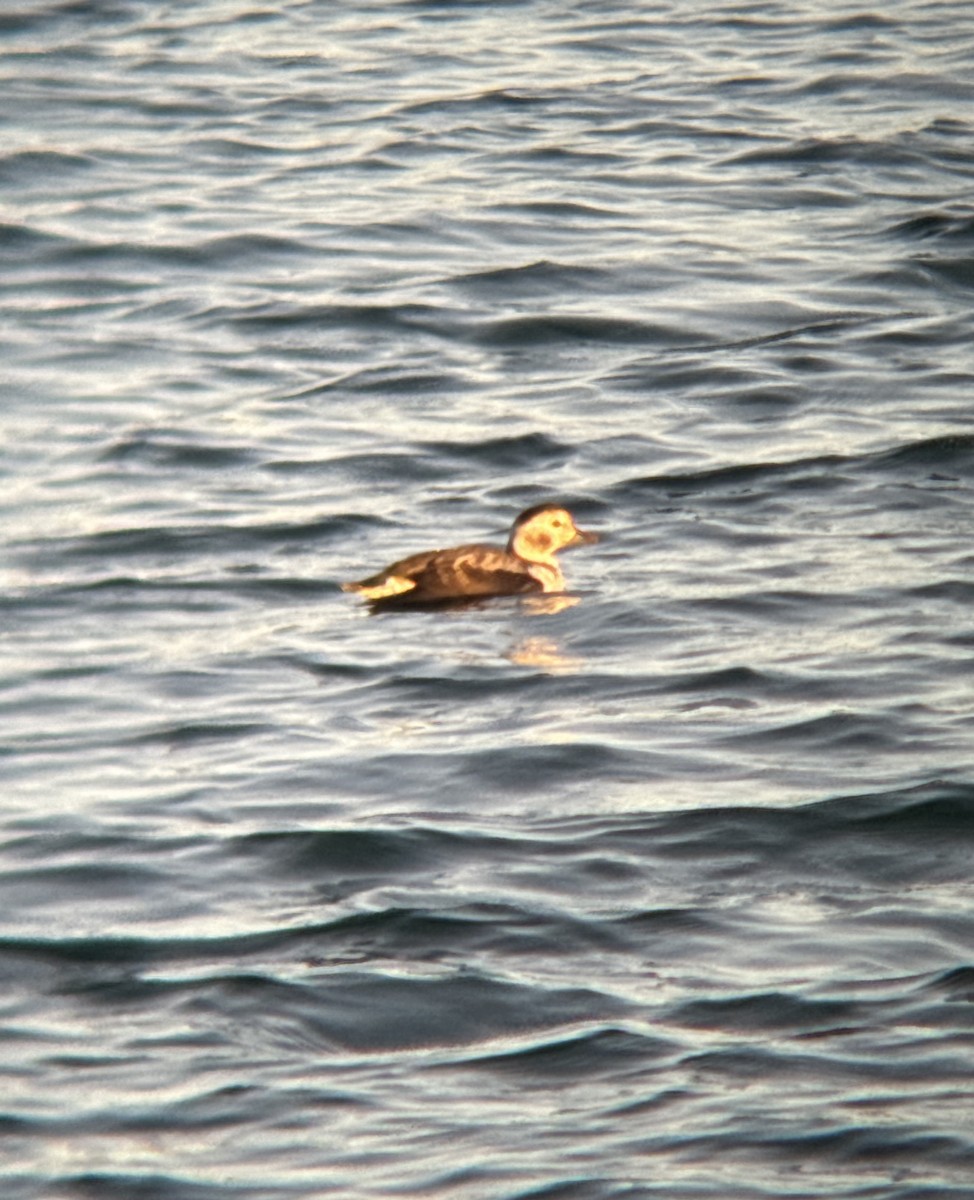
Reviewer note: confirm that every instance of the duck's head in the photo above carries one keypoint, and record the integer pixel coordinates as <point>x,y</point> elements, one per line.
<point>540,532</point>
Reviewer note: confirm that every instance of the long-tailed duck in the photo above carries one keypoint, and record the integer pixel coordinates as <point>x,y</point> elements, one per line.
<point>527,564</point>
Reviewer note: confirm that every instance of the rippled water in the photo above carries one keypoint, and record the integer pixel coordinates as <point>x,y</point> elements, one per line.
<point>667,893</point>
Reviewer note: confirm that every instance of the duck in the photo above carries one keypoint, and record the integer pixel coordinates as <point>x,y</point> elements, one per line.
<point>478,570</point>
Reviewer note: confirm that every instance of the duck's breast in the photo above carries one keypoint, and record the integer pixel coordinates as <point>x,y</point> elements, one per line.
<point>548,575</point>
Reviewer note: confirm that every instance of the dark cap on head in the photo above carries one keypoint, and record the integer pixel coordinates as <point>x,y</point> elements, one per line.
<point>536,510</point>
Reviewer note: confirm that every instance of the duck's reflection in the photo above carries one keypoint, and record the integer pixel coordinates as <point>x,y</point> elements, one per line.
<point>541,604</point>
<point>531,650</point>
<point>543,652</point>
<point>534,650</point>
<point>548,604</point>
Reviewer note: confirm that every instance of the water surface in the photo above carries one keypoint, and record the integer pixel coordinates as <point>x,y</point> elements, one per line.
<point>665,893</point>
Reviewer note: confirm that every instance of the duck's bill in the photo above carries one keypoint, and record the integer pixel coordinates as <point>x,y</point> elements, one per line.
<point>584,538</point>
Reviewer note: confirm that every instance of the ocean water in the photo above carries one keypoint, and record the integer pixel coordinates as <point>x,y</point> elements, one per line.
<point>665,891</point>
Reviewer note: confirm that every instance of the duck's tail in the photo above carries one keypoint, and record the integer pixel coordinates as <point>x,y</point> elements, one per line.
<point>378,587</point>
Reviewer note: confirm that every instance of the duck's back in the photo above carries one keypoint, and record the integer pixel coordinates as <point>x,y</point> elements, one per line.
<point>463,571</point>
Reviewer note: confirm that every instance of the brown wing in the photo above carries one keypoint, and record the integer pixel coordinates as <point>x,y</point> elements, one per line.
<point>465,571</point>
<point>413,566</point>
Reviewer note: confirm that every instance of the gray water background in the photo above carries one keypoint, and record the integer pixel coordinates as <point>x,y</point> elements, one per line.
<point>664,894</point>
